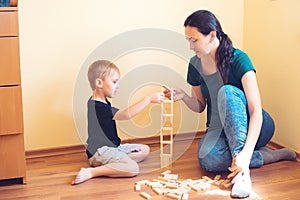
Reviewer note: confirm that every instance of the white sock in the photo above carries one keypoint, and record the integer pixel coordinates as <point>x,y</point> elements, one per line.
<point>83,175</point>
<point>242,185</point>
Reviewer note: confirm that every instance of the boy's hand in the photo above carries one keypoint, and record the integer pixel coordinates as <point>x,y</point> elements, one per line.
<point>157,97</point>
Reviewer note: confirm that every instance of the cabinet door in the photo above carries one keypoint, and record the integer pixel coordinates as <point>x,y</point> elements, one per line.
<point>11,113</point>
<point>12,156</point>
<point>9,23</point>
<point>9,61</point>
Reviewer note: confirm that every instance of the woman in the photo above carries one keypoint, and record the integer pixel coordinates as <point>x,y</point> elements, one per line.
<point>223,80</point>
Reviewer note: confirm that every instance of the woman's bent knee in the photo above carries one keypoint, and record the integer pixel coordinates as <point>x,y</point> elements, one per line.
<point>212,163</point>
<point>205,164</point>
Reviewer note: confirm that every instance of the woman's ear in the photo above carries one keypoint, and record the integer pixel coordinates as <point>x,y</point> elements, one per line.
<point>99,83</point>
<point>213,35</point>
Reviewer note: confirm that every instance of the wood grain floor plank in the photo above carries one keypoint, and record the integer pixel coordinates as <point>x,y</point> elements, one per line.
<point>50,178</point>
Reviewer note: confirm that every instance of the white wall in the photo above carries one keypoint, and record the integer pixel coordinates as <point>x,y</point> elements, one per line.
<point>57,37</point>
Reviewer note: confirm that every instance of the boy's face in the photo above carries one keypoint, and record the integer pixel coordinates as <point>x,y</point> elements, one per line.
<point>111,84</point>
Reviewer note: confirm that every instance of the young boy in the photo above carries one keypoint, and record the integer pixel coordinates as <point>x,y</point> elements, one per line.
<point>106,155</point>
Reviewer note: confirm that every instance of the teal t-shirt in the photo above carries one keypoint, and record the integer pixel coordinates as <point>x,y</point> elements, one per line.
<point>210,84</point>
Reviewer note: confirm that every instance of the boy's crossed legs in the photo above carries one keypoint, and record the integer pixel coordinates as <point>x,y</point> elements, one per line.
<point>113,162</point>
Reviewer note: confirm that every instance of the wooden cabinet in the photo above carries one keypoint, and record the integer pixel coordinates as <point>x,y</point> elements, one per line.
<point>9,62</point>
<point>12,152</point>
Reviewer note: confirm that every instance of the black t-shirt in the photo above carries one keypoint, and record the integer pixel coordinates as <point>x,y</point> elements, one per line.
<point>102,129</point>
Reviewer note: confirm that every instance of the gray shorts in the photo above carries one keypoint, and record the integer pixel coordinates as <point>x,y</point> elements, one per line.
<point>129,148</point>
<point>106,155</point>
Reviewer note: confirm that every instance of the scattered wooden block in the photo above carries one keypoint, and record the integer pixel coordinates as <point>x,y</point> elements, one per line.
<point>166,172</point>
<point>171,176</point>
<point>207,178</point>
<point>184,188</point>
<point>160,181</point>
<point>167,184</point>
<point>145,195</point>
<point>185,196</point>
<point>217,177</point>
<point>173,196</point>
<point>195,188</point>
<point>163,179</point>
<point>158,191</point>
<point>154,184</point>
<point>172,185</point>
<point>137,187</point>
<point>143,182</point>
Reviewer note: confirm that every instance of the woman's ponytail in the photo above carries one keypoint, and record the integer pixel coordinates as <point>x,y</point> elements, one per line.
<point>224,55</point>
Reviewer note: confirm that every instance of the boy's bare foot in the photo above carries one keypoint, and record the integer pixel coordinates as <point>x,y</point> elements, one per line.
<point>83,175</point>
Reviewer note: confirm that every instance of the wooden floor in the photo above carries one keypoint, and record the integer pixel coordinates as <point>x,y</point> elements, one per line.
<point>50,178</point>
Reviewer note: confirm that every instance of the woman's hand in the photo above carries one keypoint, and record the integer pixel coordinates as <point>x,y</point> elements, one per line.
<point>178,94</point>
<point>239,163</point>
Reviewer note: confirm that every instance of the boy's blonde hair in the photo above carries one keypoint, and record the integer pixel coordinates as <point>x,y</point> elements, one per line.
<point>100,69</point>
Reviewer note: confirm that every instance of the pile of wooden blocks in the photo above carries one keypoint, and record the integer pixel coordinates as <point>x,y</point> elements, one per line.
<point>168,185</point>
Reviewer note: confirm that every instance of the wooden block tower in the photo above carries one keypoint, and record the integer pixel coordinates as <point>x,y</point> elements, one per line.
<point>166,132</point>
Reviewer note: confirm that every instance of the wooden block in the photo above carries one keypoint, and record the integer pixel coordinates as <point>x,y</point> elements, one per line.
<point>195,188</point>
<point>189,182</point>
<point>162,179</point>
<point>158,191</point>
<point>145,195</point>
<point>199,181</point>
<point>203,186</point>
<point>143,182</point>
<point>207,178</point>
<point>173,196</point>
<point>171,176</point>
<point>165,191</point>
<point>166,172</point>
<point>185,196</point>
<point>155,184</point>
<point>178,191</point>
<point>137,187</point>
<point>172,185</point>
<point>184,188</point>
<point>217,177</point>
<point>208,185</point>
